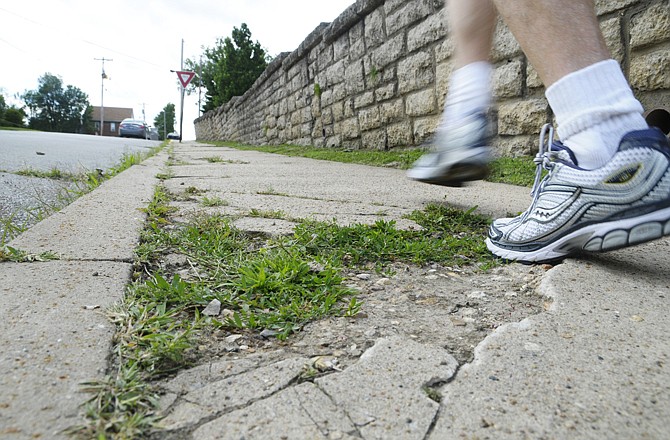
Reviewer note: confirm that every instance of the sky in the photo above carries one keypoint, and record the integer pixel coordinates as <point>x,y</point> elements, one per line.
<point>142,40</point>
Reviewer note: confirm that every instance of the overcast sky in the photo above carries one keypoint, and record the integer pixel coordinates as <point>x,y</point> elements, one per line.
<point>143,38</point>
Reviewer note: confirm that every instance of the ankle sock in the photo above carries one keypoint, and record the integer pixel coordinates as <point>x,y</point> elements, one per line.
<point>469,92</point>
<point>594,109</point>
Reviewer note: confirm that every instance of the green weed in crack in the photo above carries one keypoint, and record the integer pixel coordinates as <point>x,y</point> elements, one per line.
<point>449,236</point>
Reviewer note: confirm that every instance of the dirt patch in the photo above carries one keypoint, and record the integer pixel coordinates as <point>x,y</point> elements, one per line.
<point>448,307</point>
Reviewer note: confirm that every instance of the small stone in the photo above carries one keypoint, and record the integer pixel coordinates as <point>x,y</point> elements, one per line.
<point>458,322</point>
<point>267,333</point>
<point>363,276</point>
<point>213,308</point>
<point>233,338</point>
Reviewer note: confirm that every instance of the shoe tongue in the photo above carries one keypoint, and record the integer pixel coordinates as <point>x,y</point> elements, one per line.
<point>564,153</point>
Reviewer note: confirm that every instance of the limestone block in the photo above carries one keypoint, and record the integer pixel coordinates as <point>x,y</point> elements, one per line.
<point>522,117</point>
<point>334,141</point>
<point>415,72</point>
<point>392,5</point>
<point>388,52</point>
<point>605,6</point>
<point>326,56</point>
<point>611,30</point>
<point>338,111</point>
<point>374,29</point>
<point>364,100</point>
<point>650,26</point>
<point>373,139</point>
<point>424,127</point>
<point>443,72</point>
<point>409,13</point>
<point>445,49</point>
<point>651,71</point>
<point>431,29</point>
<point>334,74</point>
<point>339,92</point>
<point>369,118</point>
<point>508,79</point>
<point>504,43</point>
<point>533,80</point>
<point>420,103</point>
<point>340,48</point>
<point>349,128</point>
<point>349,108</point>
<point>327,115</point>
<point>391,110</point>
<point>356,42</point>
<point>515,146</point>
<point>399,134</point>
<point>353,78</point>
<point>385,92</point>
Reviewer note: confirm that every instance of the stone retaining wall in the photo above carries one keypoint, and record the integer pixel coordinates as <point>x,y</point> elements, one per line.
<point>376,77</point>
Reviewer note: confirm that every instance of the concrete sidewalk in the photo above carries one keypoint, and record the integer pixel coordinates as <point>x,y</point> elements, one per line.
<point>594,364</point>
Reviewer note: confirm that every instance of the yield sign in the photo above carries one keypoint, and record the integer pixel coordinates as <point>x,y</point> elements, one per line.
<point>185,77</point>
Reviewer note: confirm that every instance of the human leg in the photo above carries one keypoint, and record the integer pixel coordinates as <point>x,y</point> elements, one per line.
<point>608,179</point>
<point>461,150</point>
<point>591,99</point>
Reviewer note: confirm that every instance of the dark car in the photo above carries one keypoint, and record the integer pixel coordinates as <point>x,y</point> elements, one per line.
<point>134,128</point>
<point>173,135</point>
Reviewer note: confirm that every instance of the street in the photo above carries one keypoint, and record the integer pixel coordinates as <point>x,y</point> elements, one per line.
<point>24,199</point>
<point>21,150</point>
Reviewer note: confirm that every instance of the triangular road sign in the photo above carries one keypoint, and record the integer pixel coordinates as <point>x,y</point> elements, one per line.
<point>185,77</point>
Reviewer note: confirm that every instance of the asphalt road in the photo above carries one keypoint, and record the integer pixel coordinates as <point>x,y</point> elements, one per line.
<point>20,150</point>
<point>24,199</point>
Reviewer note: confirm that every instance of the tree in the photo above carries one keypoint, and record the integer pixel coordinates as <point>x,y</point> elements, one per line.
<point>13,117</point>
<point>230,67</point>
<point>164,122</point>
<point>53,108</point>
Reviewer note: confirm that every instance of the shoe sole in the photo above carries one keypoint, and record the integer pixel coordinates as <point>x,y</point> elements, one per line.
<point>595,238</point>
<point>459,174</point>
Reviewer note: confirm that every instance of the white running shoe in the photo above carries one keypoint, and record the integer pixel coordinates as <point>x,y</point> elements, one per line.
<point>460,154</point>
<point>623,203</point>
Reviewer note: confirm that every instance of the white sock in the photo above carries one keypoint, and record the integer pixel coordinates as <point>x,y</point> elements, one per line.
<point>469,92</point>
<point>594,109</point>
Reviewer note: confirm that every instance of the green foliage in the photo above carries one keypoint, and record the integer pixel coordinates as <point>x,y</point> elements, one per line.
<point>229,68</point>
<point>54,108</point>
<point>513,170</point>
<point>317,90</point>
<point>165,121</point>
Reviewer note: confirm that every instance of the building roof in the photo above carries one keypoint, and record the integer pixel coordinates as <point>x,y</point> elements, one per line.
<point>113,114</point>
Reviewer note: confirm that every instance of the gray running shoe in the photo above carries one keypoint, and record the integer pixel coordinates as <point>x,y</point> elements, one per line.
<point>460,154</point>
<point>623,203</point>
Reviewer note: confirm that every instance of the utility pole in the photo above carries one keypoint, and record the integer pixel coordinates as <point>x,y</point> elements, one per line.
<point>102,95</point>
<point>181,111</point>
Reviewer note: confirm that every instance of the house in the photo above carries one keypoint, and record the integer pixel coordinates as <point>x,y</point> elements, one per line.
<point>112,118</point>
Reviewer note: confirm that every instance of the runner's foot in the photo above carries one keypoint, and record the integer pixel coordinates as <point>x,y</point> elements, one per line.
<point>623,203</point>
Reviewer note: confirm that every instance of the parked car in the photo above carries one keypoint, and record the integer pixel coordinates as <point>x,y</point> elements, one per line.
<point>153,134</point>
<point>134,128</point>
<point>173,135</point>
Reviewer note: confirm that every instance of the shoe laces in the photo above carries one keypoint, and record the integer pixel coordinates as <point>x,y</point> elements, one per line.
<point>545,157</point>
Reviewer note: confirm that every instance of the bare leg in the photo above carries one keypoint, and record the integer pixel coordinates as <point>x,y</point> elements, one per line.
<point>472,23</point>
<point>557,37</point>
<point>591,98</point>
<point>460,146</point>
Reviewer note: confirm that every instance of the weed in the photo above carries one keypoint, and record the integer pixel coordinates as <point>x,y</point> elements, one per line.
<point>214,201</point>
<point>317,90</point>
<point>214,159</point>
<point>266,214</point>
<point>9,253</point>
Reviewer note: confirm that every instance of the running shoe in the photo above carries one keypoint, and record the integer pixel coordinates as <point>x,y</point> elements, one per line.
<point>460,154</point>
<point>624,203</point>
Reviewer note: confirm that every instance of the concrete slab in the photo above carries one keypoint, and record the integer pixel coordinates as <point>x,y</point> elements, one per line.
<point>300,412</point>
<point>102,225</point>
<point>300,177</point>
<point>384,392</point>
<point>54,337</point>
<point>594,366</point>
